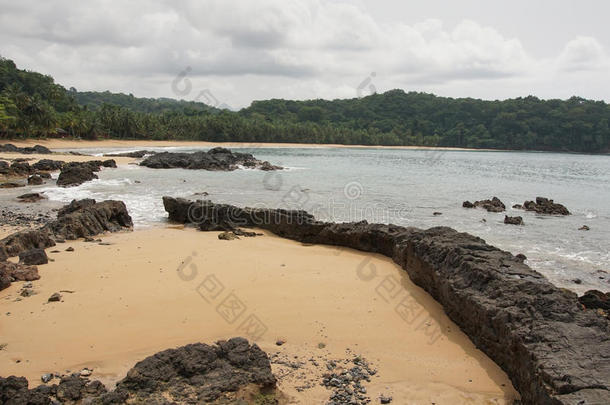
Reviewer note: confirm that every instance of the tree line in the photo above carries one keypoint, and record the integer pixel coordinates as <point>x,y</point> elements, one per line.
<point>33,105</point>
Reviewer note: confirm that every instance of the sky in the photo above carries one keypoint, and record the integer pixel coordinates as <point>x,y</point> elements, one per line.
<point>228,53</point>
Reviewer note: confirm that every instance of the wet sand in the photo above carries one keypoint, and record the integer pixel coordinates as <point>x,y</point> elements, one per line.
<point>154,289</point>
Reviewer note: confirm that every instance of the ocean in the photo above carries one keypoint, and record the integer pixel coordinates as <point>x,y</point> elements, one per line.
<point>403,187</point>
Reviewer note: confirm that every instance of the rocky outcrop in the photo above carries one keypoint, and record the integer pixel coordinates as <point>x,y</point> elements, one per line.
<point>594,299</point>
<point>18,272</point>
<point>79,219</point>
<point>76,173</point>
<point>493,205</point>
<point>545,206</point>
<point>553,350</point>
<point>39,149</point>
<point>86,218</point>
<point>31,197</point>
<point>217,159</point>
<point>192,374</point>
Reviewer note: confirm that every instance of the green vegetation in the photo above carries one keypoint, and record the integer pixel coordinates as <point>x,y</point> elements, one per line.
<point>32,105</point>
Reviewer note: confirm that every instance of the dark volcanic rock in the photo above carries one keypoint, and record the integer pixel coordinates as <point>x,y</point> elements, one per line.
<point>513,220</point>
<point>545,206</point>
<point>4,167</point>
<point>493,205</point>
<point>48,165</point>
<point>11,185</point>
<point>20,169</point>
<point>594,299</point>
<point>554,351</point>
<point>35,180</point>
<point>87,219</point>
<point>19,272</point>
<point>192,374</point>
<point>219,159</point>
<point>26,240</point>
<point>29,149</point>
<point>109,163</point>
<point>33,257</point>
<point>75,174</point>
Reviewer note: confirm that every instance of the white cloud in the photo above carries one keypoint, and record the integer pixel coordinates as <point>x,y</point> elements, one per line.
<point>247,50</point>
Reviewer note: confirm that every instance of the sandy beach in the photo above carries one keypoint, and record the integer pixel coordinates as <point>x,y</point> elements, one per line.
<point>115,143</point>
<point>143,293</point>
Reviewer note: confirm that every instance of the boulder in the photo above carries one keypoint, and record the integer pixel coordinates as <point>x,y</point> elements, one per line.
<point>513,220</point>
<point>35,180</point>
<point>20,169</point>
<point>493,205</point>
<point>594,299</point>
<point>216,159</point>
<point>545,206</point>
<point>39,149</point>
<point>109,163</point>
<point>4,166</point>
<point>232,371</point>
<point>5,278</point>
<point>553,351</point>
<point>11,185</point>
<point>16,272</point>
<point>33,257</point>
<point>72,175</point>
<point>26,240</point>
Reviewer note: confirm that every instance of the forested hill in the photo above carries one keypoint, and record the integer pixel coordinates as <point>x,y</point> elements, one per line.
<point>33,105</point>
<point>95,100</point>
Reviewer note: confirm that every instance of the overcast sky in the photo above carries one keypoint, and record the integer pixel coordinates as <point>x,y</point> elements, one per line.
<point>233,52</point>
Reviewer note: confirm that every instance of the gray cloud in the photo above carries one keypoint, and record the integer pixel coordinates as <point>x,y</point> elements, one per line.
<point>246,50</point>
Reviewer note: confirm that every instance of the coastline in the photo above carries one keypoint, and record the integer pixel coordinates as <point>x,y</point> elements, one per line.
<point>115,143</point>
<point>131,289</point>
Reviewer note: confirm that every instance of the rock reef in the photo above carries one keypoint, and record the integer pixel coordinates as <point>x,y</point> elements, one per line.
<point>493,205</point>
<point>230,371</point>
<point>553,349</point>
<point>545,206</point>
<point>216,159</point>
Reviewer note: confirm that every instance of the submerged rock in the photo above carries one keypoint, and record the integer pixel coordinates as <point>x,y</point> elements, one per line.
<point>554,351</point>
<point>513,220</point>
<point>75,174</point>
<point>216,159</point>
<point>35,180</point>
<point>493,205</point>
<point>136,154</point>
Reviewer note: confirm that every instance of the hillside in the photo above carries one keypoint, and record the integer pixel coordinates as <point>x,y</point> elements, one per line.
<point>33,105</point>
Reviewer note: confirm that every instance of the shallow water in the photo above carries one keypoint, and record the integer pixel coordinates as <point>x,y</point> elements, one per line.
<point>404,187</point>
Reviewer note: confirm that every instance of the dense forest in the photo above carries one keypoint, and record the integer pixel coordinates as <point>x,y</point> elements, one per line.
<point>33,105</point>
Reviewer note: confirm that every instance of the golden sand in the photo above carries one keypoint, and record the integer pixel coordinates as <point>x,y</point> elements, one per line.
<point>143,293</point>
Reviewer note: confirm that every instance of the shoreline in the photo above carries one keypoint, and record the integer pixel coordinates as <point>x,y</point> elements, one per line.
<point>132,288</point>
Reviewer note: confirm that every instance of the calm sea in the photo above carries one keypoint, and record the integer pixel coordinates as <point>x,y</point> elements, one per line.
<point>404,187</point>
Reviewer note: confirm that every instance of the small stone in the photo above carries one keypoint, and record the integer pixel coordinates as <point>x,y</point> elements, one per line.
<point>70,249</point>
<point>436,214</point>
<point>45,378</point>
<point>85,372</point>
<point>577,281</point>
<point>385,400</point>
<point>584,228</point>
<point>55,297</point>
<point>280,342</point>
<point>321,345</point>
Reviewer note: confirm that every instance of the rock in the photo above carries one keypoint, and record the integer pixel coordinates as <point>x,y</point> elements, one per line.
<point>31,197</point>
<point>35,180</point>
<point>594,299</point>
<point>231,371</point>
<point>38,149</point>
<point>216,159</point>
<point>584,228</point>
<point>577,281</point>
<point>493,205</point>
<point>518,206</point>
<point>48,165</point>
<point>521,257</point>
<point>70,249</point>
<point>553,351</point>
<point>545,206</point>
<point>25,240</point>
<point>227,236</point>
<point>33,257</point>
<point>437,213</point>
<point>75,174</point>
<point>4,167</point>
<point>513,220</point>
<point>136,154</point>
<point>109,163</point>
<point>5,278</point>
<point>385,400</point>
<point>20,169</point>
<point>55,297</point>
<point>44,175</point>
<point>85,372</point>
<point>19,272</point>
<point>11,185</point>
<point>280,342</point>
<point>45,378</point>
